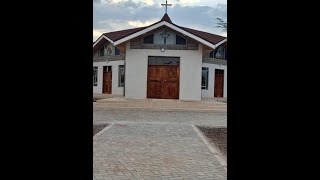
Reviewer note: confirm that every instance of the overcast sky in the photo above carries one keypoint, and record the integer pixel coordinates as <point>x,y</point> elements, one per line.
<point>115,15</point>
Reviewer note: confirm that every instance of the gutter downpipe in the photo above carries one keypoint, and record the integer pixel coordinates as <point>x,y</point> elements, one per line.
<point>124,86</point>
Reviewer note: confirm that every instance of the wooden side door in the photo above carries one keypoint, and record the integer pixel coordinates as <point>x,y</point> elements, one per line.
<point>107,80</point>
<point>218,83</point>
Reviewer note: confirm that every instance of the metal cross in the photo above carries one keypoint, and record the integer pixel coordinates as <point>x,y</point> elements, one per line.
<point>165,35</point>
<point>166,4</point>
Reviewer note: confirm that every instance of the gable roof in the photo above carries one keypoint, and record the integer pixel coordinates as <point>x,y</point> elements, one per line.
<point>116,35</point>
<point>124,35</point>
<point>212,38</point>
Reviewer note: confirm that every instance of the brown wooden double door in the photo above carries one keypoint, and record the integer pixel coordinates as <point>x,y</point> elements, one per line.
<point>218,83</point>
<point>163,81</point>
<point>107,80</point>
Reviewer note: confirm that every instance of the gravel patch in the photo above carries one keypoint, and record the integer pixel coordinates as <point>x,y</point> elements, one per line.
<point>217,137</point>
<point>98,127</point>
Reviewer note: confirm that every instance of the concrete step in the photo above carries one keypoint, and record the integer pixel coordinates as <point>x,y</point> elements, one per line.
<point>222,110</point>
<point>141,102</point>
<point>167,101</point>
<point>160,105</point>
<point>165,104</point>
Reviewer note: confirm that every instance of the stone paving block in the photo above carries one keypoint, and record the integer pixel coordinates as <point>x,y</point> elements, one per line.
<point>146,143</point>
<point>198,118</point>
<point>157,151</point>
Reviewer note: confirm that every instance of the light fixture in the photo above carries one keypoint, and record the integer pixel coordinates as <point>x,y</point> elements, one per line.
<point>162,49</point>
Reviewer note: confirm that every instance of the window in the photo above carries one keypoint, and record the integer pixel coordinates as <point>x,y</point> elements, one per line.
<point>109,51</point>
<point>180,40</point>
<point>148,39</point>
<point>219,53</point>
<point>164,36</point>
<point>107,68</point>
<point>162,60</point>
<point>204,80</point>
<point>211,54</point>
<point>121,75</point>
<point>95,76</point>
<point>101,52</point>
<point>117,51</point>
<point>219,71</point>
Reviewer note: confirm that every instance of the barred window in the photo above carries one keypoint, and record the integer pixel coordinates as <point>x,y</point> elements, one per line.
<point>121,75</point>
<point>204,80</point>
<point>95,76</point>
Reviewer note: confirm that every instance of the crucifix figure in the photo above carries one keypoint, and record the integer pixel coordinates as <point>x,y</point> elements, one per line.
<point>166,4</point>
<point>165,35</point>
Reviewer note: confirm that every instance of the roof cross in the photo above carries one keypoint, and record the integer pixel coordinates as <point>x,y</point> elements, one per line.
<point>166,4</point>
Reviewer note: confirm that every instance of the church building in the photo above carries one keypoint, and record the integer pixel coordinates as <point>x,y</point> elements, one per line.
<point>161,61</point>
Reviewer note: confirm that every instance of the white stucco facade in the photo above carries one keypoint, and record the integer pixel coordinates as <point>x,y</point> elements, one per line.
<point>209,93</point>
<point>115,75</point>
<point>190,72</point>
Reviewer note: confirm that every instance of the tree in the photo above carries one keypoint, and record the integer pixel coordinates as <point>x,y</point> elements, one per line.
<point>222,24</point>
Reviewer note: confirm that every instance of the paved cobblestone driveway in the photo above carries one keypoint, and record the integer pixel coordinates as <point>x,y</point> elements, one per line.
<point>154,145</point>
<point>198,118</point>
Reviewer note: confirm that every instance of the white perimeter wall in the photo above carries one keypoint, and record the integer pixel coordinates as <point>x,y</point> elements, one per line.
<point>190,71</point>
<point>115,73</point>
<point>210,92</point>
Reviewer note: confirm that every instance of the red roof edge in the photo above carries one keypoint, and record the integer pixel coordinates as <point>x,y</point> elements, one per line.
<point>211,38</point>
<point>166,18</point>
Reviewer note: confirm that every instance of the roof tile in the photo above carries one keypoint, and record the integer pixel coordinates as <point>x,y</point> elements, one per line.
<point>212,38</point>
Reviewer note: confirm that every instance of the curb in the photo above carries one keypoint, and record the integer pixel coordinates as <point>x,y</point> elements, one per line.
<point>161,109</point>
